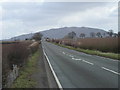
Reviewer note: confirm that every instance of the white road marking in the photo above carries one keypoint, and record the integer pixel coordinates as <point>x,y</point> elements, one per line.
<point>54,74</point>
<point>76,59</point>
<point>63,52</point>
<point>110,70</point>
<point>87,62</point>
<point>105,58</point>
<point>71,56</point>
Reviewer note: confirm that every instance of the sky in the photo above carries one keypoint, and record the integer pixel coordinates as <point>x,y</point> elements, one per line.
<point>29,17</point>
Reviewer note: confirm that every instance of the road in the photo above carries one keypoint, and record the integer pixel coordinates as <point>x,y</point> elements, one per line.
<point>79,70</point>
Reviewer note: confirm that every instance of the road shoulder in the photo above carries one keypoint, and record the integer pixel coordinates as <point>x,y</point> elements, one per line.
<point>40,76</point>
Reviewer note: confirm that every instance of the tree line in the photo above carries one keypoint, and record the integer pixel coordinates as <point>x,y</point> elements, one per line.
<point>110,33</point>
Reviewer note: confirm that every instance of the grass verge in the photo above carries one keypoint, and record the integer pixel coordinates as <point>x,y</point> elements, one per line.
<point>93,52</point>
<point>24,80</point>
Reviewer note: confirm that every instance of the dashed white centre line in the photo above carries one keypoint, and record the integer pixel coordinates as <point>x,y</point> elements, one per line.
<point>71,56</point>
<point>110,70</point>
<point>63,52</point>
<point>87,62</point>
<point>77,59</point>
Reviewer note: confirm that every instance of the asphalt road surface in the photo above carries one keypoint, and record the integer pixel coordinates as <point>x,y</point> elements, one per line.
<point>79,70</point>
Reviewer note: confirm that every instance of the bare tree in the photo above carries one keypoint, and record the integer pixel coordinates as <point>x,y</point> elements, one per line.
<point>92,34</point>
<point>71,35</point>
<point>119,34</point>
<point>98,34</point>
<point>82,35</point>
<point>37,36</point>
<point>110,32</point>
<point>104,34</point>
<point>115,35</point>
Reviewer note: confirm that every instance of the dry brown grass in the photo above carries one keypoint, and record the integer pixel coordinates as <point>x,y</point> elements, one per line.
<point>102,44</point>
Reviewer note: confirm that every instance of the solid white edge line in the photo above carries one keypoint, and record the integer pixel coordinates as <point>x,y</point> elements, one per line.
<point>110,70</point>
<point>108,59</point>
<point>55,76</point>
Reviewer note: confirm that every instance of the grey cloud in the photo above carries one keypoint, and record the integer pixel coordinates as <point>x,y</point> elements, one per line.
<point>36,11</point>
<point>35,15</point>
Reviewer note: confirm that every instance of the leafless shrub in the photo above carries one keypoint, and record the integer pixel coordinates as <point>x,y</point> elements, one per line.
<point>16,53</point>
<point>34,47</point>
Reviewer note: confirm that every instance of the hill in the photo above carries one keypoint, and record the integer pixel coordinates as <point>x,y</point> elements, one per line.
<point>61,32</point>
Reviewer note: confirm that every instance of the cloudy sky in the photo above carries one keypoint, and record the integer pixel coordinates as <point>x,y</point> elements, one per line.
<point>29,17</point>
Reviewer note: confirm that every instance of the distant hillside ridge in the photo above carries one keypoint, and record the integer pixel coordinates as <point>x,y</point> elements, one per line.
<point>58,33</point>
<point>61,32</point>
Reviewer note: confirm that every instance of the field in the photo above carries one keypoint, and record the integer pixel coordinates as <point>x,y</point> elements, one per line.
<point>100,44</point>
<point>107,47</point>
<point>15,53</point>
